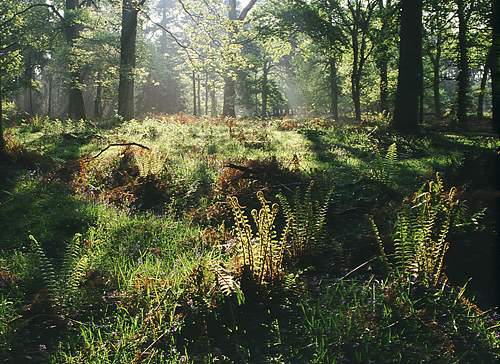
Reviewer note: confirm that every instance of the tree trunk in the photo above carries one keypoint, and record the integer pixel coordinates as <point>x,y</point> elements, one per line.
<point>463,73</point>
<point>263,113</point>
<point>436,88</point>
<point>228,109</point>
<point>195,106</point>
<point>384,88</point>
<point>355,77</point>
<point>406,113</point>
<point>128,37</point>
<point>2,140</point>
<point>199,94</point>
<point>98,100</point>
<point>206,93</point>
<point>49,91</point>
<point>334,93</point>
<point>421,90</point>
<point>382,56</point>
<point>76,104</point>
<point>482,88</point>
<point>495,67</point>
<point>213,102</point>
<point>356,96</point>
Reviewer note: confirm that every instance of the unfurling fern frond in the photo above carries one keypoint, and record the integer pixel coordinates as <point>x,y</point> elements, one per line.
<point>261,251</point>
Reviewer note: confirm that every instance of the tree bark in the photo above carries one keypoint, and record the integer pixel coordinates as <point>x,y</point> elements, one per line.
<point>355,77</point>
<point>263,113</point>
<point>495,69</point>
<point>76,104</point>
<point>2,140</point>
<point>195,105</point>
<point>49,98</point>
<point>382,55</point>
<point>213,103</point>
<point>228,108</point>
<point>334,91</point>
<point>199,94</point>
<point>128,38</point>
<point>406,113</point>
<point>463,73</point>
<point>229,102</point>
<point>436,87</point>
<point>206,93</point>
<point>482,87</point>
<point>98,100</point>
<point>384,86</point>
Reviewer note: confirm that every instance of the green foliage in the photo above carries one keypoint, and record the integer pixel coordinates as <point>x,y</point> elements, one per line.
<point>63,286</point>
<point>395,321</point>
<point>421,231</point>
<point>260,251</point>
<point>307,218</point>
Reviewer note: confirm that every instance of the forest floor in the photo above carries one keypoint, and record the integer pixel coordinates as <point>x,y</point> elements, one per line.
<point>119,243</point>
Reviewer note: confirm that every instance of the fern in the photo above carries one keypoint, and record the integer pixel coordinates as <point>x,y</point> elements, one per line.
<point>392,153</point>
<point>47,270</point>
<point>261,251</point>
<point>307,222</point>
<point>421,231</point>
<point>75,264</point>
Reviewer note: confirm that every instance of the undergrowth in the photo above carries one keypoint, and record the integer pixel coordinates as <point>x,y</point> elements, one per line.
<point>148,255</point>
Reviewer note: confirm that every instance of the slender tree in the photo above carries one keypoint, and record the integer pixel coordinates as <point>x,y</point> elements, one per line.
<point>463,66</point>
<point>495,65</point>
<point>128,39</point>
<point>228,107</point>
<point>482,85</point>
<point>76,103</point>
<point>406,113</point>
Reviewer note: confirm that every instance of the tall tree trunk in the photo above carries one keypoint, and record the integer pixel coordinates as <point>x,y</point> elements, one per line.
<point>199,94</point>
<point>355,77</point>
<point>206,93</point>
<point>384,86</point>
<point>213,102</point>
<point>49,98</point>
<point>2,140</point>
<point>98,99</point>
<point>263,113</point>
<point>482,88</point>
<point>421,90</point>
<point>195,105</point>
<point>334,91</point>
<point>406,113</point>
<point>495,66</point>
<point>463,73</point>
<point>126,107</point>
<point>228,108</point>
<point>76,103</point>
<point>436,87</point>
<point>382,61</point>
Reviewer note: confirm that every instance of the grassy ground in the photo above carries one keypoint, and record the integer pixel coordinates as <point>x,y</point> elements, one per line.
<point>136,255</point>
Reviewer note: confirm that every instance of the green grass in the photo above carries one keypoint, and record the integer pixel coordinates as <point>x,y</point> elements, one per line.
<point>152,287</point>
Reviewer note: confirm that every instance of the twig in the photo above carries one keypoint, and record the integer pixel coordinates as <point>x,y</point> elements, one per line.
<point>119,145</point>
<point>358,267</point>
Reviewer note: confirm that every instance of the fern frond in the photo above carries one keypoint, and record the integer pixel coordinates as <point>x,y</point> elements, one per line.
<point>47,270</point>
